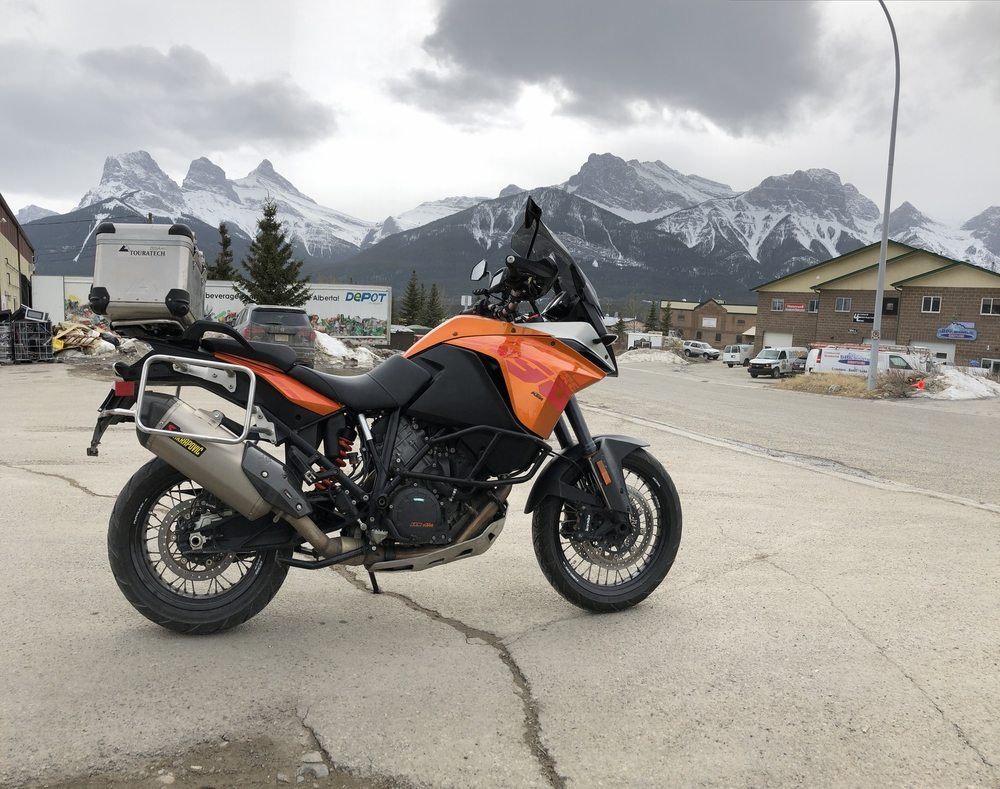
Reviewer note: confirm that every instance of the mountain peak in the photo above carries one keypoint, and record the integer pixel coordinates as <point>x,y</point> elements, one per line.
<point>265,175</point>
<point>906,217</point>
<point>204,175</point>
<point>135,177</point>
<point>511,189</point>
<point>32,212</point>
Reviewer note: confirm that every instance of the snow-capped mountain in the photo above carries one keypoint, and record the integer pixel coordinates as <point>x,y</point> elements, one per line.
<point>640,191</point>
<point>319,234</point>
<point>423,214</point>
<point>698,239</point>
<point>910,226</point>
<point>619,256</point>
<point>32,212</point>
<point>784,222</point>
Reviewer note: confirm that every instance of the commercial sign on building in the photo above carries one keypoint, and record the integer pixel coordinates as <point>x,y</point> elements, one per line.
<point>958,330</point>
<point>864,317</point>
<point>795,306</point>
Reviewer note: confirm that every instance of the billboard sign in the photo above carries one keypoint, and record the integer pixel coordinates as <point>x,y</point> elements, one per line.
<point>958,330</point>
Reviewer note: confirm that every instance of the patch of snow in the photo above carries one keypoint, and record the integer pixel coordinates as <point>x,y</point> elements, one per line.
<point>965,384</point>
<point>651,355</point>
<point>341,354</point>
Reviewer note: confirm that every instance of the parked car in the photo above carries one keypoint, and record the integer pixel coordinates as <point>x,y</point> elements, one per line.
<point>775,362</point>
<point>737,354</point>
<point>698,348</point>
<point>279,325</point>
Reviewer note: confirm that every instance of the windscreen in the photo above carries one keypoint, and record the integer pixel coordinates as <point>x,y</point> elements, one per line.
<point>536,242</point>
<point>769,353</point>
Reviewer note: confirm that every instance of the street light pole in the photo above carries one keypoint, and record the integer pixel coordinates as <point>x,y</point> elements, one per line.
<point>880,285</point>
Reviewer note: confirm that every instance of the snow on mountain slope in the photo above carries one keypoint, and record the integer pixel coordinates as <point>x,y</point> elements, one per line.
<point>423,214</point>
<point>968,243</point>
<point>811,208</point>
<point>208,195</point>
<point>32,212</point>
<point>640,191</point>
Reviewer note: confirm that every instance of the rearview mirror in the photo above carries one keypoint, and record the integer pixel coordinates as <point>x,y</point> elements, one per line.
<point>479,270</point>
<point>497,278</point>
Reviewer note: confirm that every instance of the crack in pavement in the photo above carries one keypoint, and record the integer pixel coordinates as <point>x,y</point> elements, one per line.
<point>820,465</point>
<point>69,480</point>
<point>962,736</point>
<point>532,724</point>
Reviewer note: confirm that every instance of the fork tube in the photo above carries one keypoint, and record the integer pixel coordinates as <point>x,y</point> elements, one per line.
<point>579,425</point>
<point>562,433</point>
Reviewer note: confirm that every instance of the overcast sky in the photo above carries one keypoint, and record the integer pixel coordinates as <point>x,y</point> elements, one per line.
<point>373,107</point>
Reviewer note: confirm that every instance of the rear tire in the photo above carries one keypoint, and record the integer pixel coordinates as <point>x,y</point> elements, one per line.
<point>775,373</point>
<point>730,365</point>
<point>652,542</point>
<point>159,581</point>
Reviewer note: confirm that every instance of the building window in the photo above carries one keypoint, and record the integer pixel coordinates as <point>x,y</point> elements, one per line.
<point>740,322</point>
<point>931,304</point>
<point>680,317</point>
<point>718,337</point>
<point>890,306</point>
<point>777,305</point>
<point>813,305</point>
<point>697,335</point>
<point>843,304</point>
<point>991,365</point>
<point>990,307</point>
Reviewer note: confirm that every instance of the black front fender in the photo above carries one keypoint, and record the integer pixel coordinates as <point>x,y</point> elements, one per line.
<point>551,482</point>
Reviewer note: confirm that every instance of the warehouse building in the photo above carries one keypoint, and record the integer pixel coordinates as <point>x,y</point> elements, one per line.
<point>948,306</point>
<point>17,257</point>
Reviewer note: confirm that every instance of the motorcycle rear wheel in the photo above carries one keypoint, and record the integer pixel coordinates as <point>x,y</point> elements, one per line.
<point>633,568</point>
<point>173,590</point>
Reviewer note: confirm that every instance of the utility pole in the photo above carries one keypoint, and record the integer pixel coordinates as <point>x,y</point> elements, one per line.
<point>880,284</point>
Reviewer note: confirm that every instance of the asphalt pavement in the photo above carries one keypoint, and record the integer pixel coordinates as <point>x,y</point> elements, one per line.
<point>829,621</point>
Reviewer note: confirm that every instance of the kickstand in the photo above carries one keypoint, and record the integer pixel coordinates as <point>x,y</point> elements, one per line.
<point>375,589</point>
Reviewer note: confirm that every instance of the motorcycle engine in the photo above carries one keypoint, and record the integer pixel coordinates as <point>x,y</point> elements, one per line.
<point>424,512</point>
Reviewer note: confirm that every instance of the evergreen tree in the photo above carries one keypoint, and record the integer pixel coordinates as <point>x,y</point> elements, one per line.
<point>411,306</point>
<point>422,315</point>
<point>665,316</point>
<point>272,275</point>
<point>652,324</point>
<point>433,311</point>
<point>223,267</point>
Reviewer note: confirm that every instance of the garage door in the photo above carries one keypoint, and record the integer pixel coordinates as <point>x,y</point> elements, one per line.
<point>777,339</point>
<point>940,351</point>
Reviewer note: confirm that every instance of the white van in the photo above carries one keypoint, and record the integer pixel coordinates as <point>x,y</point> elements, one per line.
<point>857,361</point>
<point>737,354</point>
<point>776,362</point>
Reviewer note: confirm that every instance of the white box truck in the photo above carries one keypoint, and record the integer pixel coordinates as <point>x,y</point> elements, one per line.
<point>148,278</point>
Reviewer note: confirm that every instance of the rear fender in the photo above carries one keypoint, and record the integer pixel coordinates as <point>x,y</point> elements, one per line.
<point>553,480</point>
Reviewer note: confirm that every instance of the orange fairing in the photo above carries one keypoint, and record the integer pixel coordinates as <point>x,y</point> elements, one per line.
<point>541,373</point>
<point>292,390</point>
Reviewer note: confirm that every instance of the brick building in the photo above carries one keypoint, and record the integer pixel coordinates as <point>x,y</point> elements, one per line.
<point>950,307</point>
<point>712,321</point>
<point>17,261</point>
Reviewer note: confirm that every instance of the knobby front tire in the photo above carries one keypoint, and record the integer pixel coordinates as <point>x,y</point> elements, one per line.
<point>175,592</point>
<point>632,570</point>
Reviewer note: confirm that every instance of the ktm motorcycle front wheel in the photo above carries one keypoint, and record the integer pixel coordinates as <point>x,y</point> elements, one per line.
<point>610,570</point>
<point>149,548</point>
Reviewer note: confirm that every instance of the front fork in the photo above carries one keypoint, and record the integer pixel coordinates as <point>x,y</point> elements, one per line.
<point>605,472</point>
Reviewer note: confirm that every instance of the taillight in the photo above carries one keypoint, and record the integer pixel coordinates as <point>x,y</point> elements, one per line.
<point>819,356</point>
<point>124,388</point>
<point>309,334</point>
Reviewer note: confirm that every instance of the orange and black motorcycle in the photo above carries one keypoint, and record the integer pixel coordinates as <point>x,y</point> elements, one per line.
<point>404,468</point>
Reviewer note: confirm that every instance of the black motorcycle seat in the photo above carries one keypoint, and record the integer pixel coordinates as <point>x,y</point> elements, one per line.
<point>392,384</point>
<point>280,356</point>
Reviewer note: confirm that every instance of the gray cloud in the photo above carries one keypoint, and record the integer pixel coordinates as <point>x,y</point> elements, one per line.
<point>744,65</point>
<point>59,109</point>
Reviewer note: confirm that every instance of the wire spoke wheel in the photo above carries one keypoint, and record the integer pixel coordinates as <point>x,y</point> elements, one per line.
<point>169,520</point>
<point>609,569</point>
<point>151,555</point>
